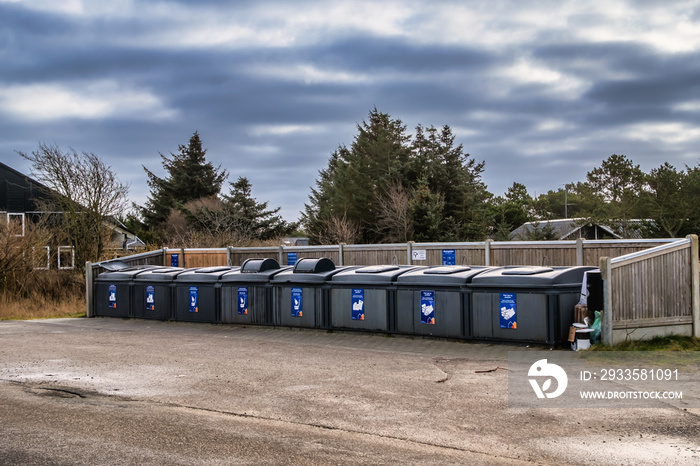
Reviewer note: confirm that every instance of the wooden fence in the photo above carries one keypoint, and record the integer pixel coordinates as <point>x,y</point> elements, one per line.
<point>652,292</point>
<point>552,253</point>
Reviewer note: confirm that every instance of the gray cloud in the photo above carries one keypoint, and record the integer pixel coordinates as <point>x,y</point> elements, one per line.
<point>273,93</point>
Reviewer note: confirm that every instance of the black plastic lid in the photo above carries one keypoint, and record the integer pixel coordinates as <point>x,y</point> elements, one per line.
<point>446,270</point>
<point>526,270</point>
<point>215,269</point>
<point>314,265</point>
<point>259,265</point>
<point>377,269</point>
<point>113,266</point>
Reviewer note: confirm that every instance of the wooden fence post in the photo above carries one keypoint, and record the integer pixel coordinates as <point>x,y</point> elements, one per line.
<point>579,251</point>
<point>607,318</point>
<point>695,283</point>
<point>89,286</point>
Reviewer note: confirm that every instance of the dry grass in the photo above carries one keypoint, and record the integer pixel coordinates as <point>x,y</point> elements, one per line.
<point>667,343</point>
<point>39,307</point>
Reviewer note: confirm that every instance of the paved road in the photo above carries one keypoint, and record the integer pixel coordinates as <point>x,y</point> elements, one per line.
<point>113,391</point>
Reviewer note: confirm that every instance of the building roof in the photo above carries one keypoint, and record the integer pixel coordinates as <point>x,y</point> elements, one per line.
<point>565,228</point>
<point>18,191</point>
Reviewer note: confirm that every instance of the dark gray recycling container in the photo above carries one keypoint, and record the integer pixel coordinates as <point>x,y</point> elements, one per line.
<point>435,301</point>
<point>154,292</point>
<point>246,294</point>
<point>526,304</point>
<point>365,298</point>
<point>198,294</point>
<point>301,296</point>
<point>113,292</point>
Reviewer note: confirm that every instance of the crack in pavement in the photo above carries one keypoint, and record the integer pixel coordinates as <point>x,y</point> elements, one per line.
<point>96,396</point>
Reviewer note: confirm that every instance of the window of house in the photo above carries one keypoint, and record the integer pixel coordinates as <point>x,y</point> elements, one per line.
<point>41,258</point>
<point>66,257</point>
<point>16,224</point>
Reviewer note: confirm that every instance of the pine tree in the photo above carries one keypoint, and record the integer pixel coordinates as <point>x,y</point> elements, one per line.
<point>251,217</point>
<point>452,174</point>
<point>189,177</point>
<point>385,170</point>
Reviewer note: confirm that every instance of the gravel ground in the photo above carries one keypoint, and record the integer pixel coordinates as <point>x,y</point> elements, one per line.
<point>115,391</point>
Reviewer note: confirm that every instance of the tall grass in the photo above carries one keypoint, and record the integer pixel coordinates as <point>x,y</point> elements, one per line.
<point>659,343</point>
<point>40,307</point>
<point>27,292</point>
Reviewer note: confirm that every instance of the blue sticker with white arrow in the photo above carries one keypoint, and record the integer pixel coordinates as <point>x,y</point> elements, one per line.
<point>242,300</point>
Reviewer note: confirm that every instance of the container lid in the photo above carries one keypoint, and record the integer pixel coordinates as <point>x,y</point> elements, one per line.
<point>259,265</point>
<point>377,269</point>
<point>446,269</point>
<point>240,276</point>
<point>371,275</point>
<point>531,277</point>
<point>125,274</point>
<point>165,274</point>
<point>113,266</point>
<point>314,265</point>
<point>215,269</point>
<point>291,276</point>
<point>204,274</point>
<point>448,276</point>
<point>527,270</point>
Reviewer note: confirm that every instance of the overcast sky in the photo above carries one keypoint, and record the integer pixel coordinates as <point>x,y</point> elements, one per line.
<point>541,91</point>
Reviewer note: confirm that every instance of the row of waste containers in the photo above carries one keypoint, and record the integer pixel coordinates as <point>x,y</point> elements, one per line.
<point>527,304</point>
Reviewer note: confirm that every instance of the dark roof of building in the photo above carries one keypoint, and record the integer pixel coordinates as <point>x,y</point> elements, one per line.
<point>18,192</point>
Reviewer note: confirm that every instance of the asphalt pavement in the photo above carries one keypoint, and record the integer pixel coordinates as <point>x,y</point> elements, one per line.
<point>119,391</point>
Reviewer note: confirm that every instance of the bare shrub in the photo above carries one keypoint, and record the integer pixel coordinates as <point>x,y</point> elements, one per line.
<point>338,230</point>
<point>394,221</point>
<point>19,255</point>
<point>26,291</point>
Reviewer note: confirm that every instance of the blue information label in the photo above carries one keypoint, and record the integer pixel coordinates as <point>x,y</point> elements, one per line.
<point>427,307</point>
<point>175,260</point>
<point>291,258</point>
<point>358,304</point>
<point>150,298</point>
<point>296,302</point>
<point>508,308</point>
<point>242,300</point>
<point>448,257</point>
<point>194,299</point>
<point>112,296</point>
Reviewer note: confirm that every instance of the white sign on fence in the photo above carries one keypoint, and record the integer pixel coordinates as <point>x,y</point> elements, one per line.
<point>418,255</point>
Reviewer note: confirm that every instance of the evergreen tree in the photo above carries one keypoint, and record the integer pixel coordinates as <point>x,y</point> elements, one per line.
<point>248,215</point>
<point>452,174</point>
<point>617,186</point>
<point>428,213</point>
<point>189,177</point>
<point>691,193</point>
<point>384,169</point>
<point>375,161</point>
<point>319,213</point>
